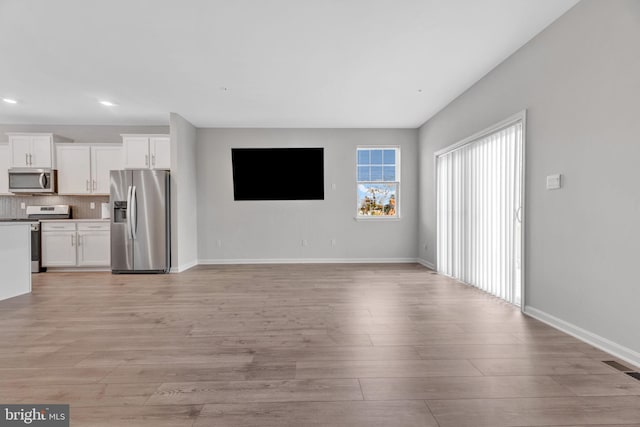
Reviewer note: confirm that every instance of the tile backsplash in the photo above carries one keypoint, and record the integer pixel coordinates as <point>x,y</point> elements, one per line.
<point>80,205</point>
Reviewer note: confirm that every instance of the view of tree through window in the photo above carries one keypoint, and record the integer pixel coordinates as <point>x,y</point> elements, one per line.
<point>378,176</point>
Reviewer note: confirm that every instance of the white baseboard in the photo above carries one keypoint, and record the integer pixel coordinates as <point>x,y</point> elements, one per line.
<point>307,261</point>
<point>429,265</point>
<point>615,349</point>
<point>184,267</point>
<point>76,269</point>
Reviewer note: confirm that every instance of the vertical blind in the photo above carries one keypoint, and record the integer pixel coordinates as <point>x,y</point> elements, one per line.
<point>479,199</point>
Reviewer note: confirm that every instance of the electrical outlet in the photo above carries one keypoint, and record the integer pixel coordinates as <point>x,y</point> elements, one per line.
<point>333,186</point>
<point>23,205</point>
<point>92,205</point>
<point>219,243</point>
<point>333,242</point>
<point>304,242</point>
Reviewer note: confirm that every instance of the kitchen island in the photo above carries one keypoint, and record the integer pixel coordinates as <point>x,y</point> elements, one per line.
<point>15,259</point>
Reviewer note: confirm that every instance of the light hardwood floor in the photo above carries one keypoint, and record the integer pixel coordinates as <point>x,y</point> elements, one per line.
<point>298,345</point>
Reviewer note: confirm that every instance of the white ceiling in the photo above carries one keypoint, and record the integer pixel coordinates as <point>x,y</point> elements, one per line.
<point>254,63</point>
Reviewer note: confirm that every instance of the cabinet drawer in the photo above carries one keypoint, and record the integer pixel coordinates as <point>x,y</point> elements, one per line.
<point>93,226</point>
<point>58,226</point>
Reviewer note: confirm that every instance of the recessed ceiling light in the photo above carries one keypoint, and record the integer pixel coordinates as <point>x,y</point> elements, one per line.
<point>107,103</point>
<point>419,90</point>
<point>10,101</point>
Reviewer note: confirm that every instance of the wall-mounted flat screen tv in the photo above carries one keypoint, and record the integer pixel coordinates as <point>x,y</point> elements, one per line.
<point>278,173</point>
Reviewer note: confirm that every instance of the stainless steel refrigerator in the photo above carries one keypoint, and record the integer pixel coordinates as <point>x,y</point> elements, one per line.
<point>140,221</point>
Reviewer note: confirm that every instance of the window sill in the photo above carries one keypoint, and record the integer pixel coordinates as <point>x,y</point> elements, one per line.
<point>376,218</point>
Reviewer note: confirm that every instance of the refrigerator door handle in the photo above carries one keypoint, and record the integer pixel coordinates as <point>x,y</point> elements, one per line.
<point>129,235</point>
<point>134,212</point>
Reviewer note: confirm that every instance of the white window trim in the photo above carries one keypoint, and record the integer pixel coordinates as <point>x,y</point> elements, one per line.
<point>398,165</point>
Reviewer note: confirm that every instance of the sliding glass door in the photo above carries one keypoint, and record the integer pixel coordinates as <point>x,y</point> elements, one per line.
<point>480,186</point>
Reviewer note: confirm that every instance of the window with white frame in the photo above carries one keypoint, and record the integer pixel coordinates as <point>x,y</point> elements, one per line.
<point>378,182</point>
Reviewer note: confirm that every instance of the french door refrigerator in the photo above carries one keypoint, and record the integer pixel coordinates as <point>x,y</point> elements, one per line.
<point>140,222</point>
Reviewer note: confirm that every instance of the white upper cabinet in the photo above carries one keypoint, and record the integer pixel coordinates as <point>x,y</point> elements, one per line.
<point>4,168</point>
<point>41,152</point>
<point>85,169</point>
<point>136,152</point>
<point>160,148</point>
<point>146,151</point>
<point>104,160</point>
<point>33,150</point>
<point>20,148</point>
<point>74,169</point>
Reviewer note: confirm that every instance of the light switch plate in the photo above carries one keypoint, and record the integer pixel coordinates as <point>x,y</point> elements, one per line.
<point>92,205</point>
<point>554,182</point>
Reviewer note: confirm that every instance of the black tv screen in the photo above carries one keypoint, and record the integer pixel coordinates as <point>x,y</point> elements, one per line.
<point>278,173</point>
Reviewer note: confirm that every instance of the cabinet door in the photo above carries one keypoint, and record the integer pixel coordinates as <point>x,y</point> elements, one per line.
<point>136,152</point>
<point>103,161</point>
<point>4,167</point>
<point>41,152</point>
<point>59,249</point>
<point>94,248</point>
<point>74,169</point>
<point>20,147</point>
<point>160,152</point>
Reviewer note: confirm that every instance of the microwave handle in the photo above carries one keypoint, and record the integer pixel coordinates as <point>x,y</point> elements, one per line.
<point>43,181</point>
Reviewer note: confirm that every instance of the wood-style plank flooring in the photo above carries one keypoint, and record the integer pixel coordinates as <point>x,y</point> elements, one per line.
<point>298,345</point>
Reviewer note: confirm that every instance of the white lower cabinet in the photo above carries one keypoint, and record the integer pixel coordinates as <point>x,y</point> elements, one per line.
<point>59,249</point>
<point>76,244</point>
<point>94,248</point>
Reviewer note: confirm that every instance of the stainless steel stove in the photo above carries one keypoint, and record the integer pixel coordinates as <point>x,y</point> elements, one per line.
<point>34,215</point>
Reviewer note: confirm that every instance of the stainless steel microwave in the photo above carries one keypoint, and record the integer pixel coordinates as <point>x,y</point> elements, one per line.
<point>31,181</point>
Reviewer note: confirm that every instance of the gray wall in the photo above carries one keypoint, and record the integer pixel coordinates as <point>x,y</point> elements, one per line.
<point>580,82</point>
<point>83,133</point>
<point>184,232</point>
<point>274,230</point>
